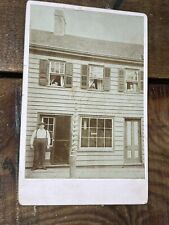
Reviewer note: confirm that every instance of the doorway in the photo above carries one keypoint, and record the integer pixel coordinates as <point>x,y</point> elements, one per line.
<point>59,128</point>
<point>133,141</point>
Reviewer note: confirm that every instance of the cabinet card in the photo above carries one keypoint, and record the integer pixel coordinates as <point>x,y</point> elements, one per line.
<point>84,107</point>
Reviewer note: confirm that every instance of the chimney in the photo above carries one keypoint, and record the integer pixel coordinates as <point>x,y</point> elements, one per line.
<point>59,23</point>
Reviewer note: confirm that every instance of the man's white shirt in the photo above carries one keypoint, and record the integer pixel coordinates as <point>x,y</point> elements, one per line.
<point>40,133</point>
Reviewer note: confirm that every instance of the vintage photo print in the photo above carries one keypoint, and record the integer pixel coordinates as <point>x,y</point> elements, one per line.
<point>84,106</point>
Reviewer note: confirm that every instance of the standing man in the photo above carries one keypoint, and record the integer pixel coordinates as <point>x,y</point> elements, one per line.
<point>40,142</point>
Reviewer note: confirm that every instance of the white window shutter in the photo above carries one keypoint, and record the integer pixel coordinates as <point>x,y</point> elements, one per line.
<point>84,76</point>
<point>68,74</point>
<point>107,79</point>
<point>121,85</point>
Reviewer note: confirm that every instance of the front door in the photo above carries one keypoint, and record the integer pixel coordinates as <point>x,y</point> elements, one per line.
<point>59,129</point>
<point>61,145</point>
<point>132,141</point>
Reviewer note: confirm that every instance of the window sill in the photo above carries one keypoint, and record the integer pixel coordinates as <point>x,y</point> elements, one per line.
<point>95,149</point>
<point>59,87</point>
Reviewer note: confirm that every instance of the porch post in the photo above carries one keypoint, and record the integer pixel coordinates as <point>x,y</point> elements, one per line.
<point>74,146</point>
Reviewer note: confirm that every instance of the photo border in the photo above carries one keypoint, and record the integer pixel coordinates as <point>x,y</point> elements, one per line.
<point>79,191</point>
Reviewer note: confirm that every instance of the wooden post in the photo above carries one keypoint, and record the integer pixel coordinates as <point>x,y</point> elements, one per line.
<point>74,145</point>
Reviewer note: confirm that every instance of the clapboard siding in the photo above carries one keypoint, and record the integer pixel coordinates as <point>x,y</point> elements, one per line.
<point>57,100</point>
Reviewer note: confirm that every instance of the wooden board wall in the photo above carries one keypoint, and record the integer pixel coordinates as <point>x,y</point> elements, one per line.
<point>12,17</point>
<point>156,212</point>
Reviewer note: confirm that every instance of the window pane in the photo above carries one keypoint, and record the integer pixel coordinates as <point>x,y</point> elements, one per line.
<point>135,133</point>
<point>45,120</point>
<point>96,72</point>
<point>85,122</point>
<point>85,132</point>
<point>93,84</point>
<point>108,133</point>
<point>108,142</point>
<point>62,67</point>
<point>100,85</point>
<point>55,80</point>
<point>84,142</point>
<point>100,132</point>
<point>108,123</point>
<point>100,142</point>
<point>128,136</point>
<point>54,67</point>
<point>50,128</point>
<point>100,122</point>
<point>92,122</point>
<point>50,120</point>
<point>93,132</point>
<point>92,142</point>
<point>130,86</point>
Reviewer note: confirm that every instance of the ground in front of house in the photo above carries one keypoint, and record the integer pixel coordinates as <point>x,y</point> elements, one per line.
<point>116,172</point>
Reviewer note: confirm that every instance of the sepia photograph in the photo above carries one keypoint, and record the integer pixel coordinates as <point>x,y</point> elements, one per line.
<point>84,112</point>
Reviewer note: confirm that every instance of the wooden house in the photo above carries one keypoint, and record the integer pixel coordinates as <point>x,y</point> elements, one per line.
<point>90,95</point>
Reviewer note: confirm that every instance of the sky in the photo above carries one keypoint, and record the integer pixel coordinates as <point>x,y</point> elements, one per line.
<point>102,26</point>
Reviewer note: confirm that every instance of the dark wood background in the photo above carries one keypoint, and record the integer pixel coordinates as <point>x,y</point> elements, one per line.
<point>156,212</point>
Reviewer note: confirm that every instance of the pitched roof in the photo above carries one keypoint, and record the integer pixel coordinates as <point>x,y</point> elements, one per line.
<point>86,45</point>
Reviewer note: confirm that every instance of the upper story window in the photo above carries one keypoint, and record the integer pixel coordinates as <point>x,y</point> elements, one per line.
<point>55,73</point>
<point>95,77</point>
<point>131,80</point>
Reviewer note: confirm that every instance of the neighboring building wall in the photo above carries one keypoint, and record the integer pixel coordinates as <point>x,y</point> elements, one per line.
<point>78,102</point>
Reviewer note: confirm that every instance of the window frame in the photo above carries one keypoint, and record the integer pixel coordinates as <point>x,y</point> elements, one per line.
<point>140,150</point>
<point>53,73</point>
<point>64,75</point>
<point>96,149</point>
<point>138,81</point>
<point>42,116</point>
<point>89,78</point>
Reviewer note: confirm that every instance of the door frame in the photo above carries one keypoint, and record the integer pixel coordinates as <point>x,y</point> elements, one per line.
<point>126,162</point>
<point>39,117</point>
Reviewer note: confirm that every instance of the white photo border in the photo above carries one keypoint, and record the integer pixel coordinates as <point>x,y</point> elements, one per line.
<point>79,191</point>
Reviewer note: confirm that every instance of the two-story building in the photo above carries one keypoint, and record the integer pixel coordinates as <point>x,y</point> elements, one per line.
<point>90,95</point>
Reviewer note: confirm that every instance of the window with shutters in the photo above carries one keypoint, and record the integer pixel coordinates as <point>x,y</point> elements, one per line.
<point>133,80</point>
<point>60,74</point>
<point>130,80</point>
<point>96,133</point>
<point>55,73</point>
<point>95,77</point>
